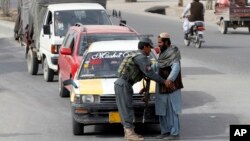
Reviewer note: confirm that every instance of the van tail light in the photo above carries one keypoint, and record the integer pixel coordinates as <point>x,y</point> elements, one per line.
<point>200,28</point>
<point>54,49</point>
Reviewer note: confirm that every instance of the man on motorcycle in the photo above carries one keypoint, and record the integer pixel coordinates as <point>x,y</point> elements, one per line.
<point>197,11</point>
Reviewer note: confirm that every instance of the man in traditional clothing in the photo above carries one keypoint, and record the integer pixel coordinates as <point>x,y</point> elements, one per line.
<point>196,10</point>
<point>168,97</point>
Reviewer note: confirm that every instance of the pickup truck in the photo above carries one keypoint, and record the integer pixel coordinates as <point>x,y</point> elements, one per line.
<point>39,33</point>
<point>232,14</point>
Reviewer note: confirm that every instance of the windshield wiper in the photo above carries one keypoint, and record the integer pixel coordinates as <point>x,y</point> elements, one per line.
<point>110,76</point>
<point>91,76</point>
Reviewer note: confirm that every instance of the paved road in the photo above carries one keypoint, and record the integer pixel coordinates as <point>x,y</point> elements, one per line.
<point>216,79</point>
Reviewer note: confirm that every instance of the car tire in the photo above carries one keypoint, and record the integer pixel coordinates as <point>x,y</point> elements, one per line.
<point>48,74</point>
<point>32,62</point>
<point>78,128</point>
<point>63,92</point>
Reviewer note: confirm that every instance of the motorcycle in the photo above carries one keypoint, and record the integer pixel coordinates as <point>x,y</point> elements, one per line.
<point>195,35</point>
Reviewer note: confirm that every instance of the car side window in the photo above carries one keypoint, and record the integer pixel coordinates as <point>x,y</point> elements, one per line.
<point>73,42</point>
<point>49,18</point>
<point>65,39</point>
<point>83,45</point>
<point>72,45</point>
<point>69,41</point>
<point>75,38</point>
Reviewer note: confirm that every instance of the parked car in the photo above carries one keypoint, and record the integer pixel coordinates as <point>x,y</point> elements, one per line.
<point>76,42</point>
<point>92,96</point>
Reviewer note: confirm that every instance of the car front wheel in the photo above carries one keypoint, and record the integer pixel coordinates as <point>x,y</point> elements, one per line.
<point>48,73</point>
<point>78,128</point>
<point>63,92</point>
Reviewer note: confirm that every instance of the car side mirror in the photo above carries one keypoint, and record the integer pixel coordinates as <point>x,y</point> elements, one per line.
<point>65,51</point>
<point>70,82</point>
<point>46,29</point>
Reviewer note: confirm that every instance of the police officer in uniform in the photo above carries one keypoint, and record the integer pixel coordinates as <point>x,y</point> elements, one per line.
<point>132,70</point>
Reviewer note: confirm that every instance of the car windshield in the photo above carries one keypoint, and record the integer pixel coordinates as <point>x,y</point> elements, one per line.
<point>90,38</point>
<point>102,64</point>
<point>65,19</point>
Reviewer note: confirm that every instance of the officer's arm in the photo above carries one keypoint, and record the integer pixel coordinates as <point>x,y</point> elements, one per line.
<point>144,65</point>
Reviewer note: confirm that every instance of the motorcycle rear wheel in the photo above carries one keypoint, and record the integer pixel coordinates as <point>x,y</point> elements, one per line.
<point>198,44</point>
<point>186,42</point>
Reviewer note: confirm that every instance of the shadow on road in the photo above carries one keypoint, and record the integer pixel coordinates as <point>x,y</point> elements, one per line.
<point>116,130</point>
<point>209,126</point>
<point>192,99</point>
<point>198,71</point>
<point>17,134</point>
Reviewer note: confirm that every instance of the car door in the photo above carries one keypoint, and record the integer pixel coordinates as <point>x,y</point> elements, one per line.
<point>70,59</point>
<point>63,59</point>
<point>45,39</point>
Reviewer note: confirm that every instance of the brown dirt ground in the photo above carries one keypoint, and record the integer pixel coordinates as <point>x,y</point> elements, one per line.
<point>172,10</point>
<point>12,17</point>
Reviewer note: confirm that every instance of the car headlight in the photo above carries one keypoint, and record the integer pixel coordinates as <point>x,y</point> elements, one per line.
<point>77,99</point>
<point>90,98</point>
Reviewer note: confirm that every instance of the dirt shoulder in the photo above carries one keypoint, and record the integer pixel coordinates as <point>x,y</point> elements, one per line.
<point>12,17</point>
<point>172,10</point>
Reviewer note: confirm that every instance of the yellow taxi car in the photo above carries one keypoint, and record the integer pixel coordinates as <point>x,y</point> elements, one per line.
<point>92,94</point>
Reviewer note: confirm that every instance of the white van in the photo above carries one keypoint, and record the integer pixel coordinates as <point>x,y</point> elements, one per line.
<point>59,17</point>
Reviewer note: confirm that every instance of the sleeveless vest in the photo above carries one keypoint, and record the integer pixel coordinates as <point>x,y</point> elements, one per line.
<point>196,12</point>
<point>164,73</point>
<point>128,70</point>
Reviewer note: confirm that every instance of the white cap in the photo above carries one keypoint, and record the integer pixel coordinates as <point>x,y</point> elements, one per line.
<point>164,35</point>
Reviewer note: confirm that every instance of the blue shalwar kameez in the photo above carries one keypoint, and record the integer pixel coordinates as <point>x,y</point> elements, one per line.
<point>168,106</point>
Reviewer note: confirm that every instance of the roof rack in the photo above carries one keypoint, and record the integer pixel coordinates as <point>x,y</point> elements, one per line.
<point>81,25</point>
<point>78,24</point>
<point>129,27</point>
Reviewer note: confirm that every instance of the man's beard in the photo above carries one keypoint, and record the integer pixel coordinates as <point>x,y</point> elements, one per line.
<point>163,48</point>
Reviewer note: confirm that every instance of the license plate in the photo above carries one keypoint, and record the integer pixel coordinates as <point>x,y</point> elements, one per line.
<point>200,32</point>
<point>114,117</point>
